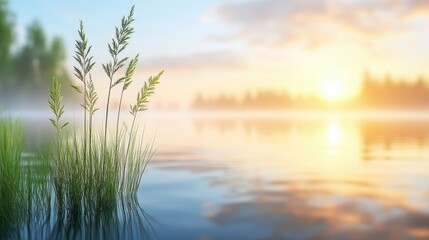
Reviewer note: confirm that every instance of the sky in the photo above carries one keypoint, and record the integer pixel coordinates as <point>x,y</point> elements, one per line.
<point>320,47</point>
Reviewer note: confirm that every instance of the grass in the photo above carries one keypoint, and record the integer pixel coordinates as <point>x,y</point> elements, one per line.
<point>12,185</point>
<point>89,172</point>
<point>86,174</point>
<point>24,188</point>
<point>92,185</point>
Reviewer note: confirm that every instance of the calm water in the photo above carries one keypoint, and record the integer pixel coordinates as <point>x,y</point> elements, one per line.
<point>268,176</point>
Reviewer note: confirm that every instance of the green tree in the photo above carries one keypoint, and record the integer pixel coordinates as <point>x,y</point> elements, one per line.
<point>28,71</point>
<point>31,59</point>
<point>38,61</point>
<point>6,39</point>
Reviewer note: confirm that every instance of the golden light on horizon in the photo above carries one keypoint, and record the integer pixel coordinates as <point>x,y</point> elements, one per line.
<point>333,90</point>
<point>333,134</point>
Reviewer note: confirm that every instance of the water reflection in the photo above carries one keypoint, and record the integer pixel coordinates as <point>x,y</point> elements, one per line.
<point>394,139</point>
<point>312,179</point>
<point>330,177</point>
<point>377,139</point>
<point>333,133</point>
<point>127,221</point>
<point>333,136</point>
<point>306,210</point>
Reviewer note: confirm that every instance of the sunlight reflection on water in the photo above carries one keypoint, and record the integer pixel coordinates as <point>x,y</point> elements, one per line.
<point>278,177</point>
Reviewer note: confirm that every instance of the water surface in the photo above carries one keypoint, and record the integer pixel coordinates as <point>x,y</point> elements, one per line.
<point>305,176</point>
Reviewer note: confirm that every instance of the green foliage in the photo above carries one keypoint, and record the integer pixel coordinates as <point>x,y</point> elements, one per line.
<point>143,96</point>
<point>82,55</point>
<point>11,181</point>
<point>25,73</point>
<point>91,171</point>
<point>87,173</point>
<point>92,185</point>
<point>38,60</point>
<point>118,44</point>
<point>91,98</point>
<point>129,73</point>
<point>24,189</point>
<point>56,104</point>
<point>6,38</point>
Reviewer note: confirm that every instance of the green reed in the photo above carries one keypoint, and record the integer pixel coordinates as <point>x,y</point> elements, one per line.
<point>89,172</point>
<point>12,185</point>
<point>24,188</point>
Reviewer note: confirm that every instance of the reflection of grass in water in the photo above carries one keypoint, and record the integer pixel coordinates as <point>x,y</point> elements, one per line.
<point>23,184</point>
<point>90,172</point>
<point>125,220</point>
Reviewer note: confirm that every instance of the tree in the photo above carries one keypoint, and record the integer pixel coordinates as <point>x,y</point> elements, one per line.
<point>37,62</point>
<point>27,72</point>
<point>6,39</point>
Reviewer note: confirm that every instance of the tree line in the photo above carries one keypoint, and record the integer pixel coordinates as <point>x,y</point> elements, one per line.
<point>375,93</point>
<point>26,71</point>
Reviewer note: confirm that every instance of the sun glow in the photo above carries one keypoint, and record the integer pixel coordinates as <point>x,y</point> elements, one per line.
<point>333,90</point>
<point>333,133</point>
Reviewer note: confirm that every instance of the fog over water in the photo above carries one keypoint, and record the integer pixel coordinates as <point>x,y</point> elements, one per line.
<point>293,175</point>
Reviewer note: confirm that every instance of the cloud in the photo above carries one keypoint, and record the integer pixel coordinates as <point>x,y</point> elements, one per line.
<point>417,7</point>
<point>316,22</point>
<point>198,61</point>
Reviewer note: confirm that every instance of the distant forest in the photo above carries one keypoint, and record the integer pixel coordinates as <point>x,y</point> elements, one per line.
<point>375,93</point>
<point>26,71</point>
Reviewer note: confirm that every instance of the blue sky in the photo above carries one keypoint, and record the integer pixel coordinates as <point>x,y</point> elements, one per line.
<point>162,27</point>
<point>302,46</point>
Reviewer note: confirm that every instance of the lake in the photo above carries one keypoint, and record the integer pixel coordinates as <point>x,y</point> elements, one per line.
<point>272,176</point>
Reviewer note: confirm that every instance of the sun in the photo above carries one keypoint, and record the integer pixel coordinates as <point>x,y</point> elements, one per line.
<point>333,90</point>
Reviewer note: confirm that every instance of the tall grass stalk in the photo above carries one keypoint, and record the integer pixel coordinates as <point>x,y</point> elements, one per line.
<point>12,188</point>
<point>58,173</point>
<point>118,44</point>
<point>91,171</point>
<point>126,83</point>
<point>85,64</point>
<point>24,189</point>
<point>140,106</point>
